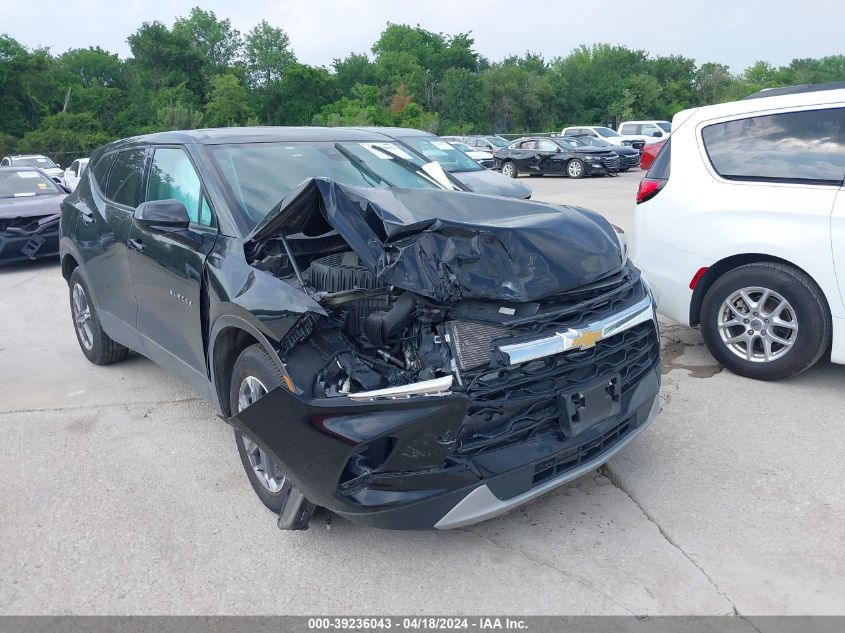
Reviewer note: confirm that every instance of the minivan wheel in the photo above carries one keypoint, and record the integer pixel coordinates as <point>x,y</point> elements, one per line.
<point>766,321</point>
<point>94,343</point>
<point>253,376</point>
<point>575,168</point>
<point>509,169</point>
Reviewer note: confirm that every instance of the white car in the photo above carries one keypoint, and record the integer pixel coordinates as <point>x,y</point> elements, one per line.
<point>483,158</point>
<point>740,228</point>
<point>605,133</point>
<point>33,160</point>
<point>647,131</point>
<point>73,173</point>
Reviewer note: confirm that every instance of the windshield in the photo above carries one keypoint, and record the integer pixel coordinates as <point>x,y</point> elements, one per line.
<point>664,125</point>
<point>42,162</point>
<point>606,132</point>
<point>435,149</point>
<point>24,184</point>
<point>498,141</point>
<point>592,140</point>
<point>462,146</point>
<point>260,175</point>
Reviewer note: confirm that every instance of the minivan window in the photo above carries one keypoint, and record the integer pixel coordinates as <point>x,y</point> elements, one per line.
<point>124,185</point>
<point>799,147</point>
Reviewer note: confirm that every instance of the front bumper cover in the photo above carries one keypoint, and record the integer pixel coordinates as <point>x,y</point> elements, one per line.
<point>422,483</point>
<point>40,239</point>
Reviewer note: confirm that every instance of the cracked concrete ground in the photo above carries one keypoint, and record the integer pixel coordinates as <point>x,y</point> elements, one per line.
<point>123,493</point>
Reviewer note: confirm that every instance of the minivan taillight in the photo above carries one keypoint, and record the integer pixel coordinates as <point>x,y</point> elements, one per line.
<point>648,189</point>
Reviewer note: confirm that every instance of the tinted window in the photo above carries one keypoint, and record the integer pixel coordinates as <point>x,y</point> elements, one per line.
<point>629,129</point>
<point>124,185</point>
<point>665,126</point>
<point>804,146</point>
<point>102,169</point>
<point>172,177</point>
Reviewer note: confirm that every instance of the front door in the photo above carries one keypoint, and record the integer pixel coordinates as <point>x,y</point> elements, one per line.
<point>552,158</point>
<point>167,269</point>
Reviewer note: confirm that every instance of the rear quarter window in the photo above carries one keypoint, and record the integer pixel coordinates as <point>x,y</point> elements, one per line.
<point>101,169</point>
<point>799,147</point>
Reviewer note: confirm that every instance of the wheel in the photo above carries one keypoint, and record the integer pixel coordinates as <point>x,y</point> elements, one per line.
<point>253,376</point>
<point>575,168</point>
<point>94,343</point>
<point>509,169</point>
<point>766,321</point>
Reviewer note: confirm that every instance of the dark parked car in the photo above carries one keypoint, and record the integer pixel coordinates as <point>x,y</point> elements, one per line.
<point>476,178</point>
<point>561,156</point>
<point>29,214</point>
<point>628,156</point>
<point>404,355</point>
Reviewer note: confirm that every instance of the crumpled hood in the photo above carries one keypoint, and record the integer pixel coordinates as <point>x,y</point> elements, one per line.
<point>31,206</point>
<point>450,246</point>
<point>492,182</point>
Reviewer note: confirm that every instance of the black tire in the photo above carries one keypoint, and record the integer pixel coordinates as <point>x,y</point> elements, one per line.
<point>814,330</point>
<point>94,343</point>
<point>510,169</point>
<point>576,168</point>
<point>255,362</point>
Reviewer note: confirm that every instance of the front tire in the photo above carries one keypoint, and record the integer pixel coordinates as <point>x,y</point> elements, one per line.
<point>575,168</point>
<point>766,321</point>
<point>509,169</point>
<point>93,341</point>
<point>253,376</point>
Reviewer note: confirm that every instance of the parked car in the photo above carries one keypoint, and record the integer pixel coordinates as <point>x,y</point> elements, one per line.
<point>487,143</point>
<point>647,131</point>
<point>628,156</point>
<point>649,153</point>
<point>485,159</point>
<point>73,173</point>
<point>429,147</point>
<point>605,133</point>
<point>561,156</point>
<point>740,228</point>
<point>406,357</point>
<point>29,214</point>
<point>38,161</point>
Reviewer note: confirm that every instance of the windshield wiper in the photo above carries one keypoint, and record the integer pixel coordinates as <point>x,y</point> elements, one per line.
<point>365,169</point>
<point>418,169</point>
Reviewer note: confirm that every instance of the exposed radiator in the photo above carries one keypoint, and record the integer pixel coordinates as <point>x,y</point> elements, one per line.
<point>472,342</point>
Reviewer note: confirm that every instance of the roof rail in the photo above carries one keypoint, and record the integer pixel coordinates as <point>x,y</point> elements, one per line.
<point>791,90</point>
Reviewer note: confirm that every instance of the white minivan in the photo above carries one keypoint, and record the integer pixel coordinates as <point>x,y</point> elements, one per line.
<point>740,228</point>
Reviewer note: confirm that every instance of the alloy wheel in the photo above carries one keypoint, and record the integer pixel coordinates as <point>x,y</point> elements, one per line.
<point>507,170</point>
<point>757,324</point>
<point>262,464</point>
<point>574,169</point>
<point>82,317</point>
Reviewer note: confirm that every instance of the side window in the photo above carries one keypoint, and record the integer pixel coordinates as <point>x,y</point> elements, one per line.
<point>547,146</point>
<point>74,168</point>
<point>124,184</point>
<point>802,147</point>
<point>172,177</point>
<point>630,128</point>
<point>6,162</point>
<point>528,145</point>
<point>101,170</point>
<point>649,130</point>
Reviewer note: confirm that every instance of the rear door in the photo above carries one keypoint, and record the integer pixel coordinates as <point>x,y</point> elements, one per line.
<point>167,268</point>
<point>102,234</point>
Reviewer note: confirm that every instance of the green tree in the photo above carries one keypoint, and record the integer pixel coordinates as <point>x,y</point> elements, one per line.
<point>299,95</point>
<point>228,103</point>
<point>217,42</point>
<point>267,54</point>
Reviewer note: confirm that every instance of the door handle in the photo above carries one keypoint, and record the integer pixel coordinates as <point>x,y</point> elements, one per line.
<point>136,245</point>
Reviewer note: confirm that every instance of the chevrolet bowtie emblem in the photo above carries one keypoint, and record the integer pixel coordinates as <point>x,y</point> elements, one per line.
<point>585,339</point>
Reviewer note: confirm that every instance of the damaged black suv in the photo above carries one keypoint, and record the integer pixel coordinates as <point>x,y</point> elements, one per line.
<point>404,355</point>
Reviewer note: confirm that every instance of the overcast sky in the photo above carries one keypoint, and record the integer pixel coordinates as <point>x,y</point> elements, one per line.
<point>737,32</point>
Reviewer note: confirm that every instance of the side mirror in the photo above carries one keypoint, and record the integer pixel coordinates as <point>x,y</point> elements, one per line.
<point>164,215</point>
<point>57,180</point>
<point>657,134</point>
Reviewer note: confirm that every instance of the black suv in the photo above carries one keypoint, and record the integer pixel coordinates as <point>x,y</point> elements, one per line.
<point>404,355</point>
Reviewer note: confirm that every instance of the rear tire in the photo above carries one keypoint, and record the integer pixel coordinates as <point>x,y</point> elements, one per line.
<point>766,321</point>
<point>254,375</point>
<point>94,343</point>
<point>510,169</point>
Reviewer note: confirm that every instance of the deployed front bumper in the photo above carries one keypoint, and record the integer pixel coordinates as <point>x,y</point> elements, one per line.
<point>423,477</point>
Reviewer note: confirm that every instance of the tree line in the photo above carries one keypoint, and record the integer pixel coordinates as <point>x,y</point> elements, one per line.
<point>201,72</point>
